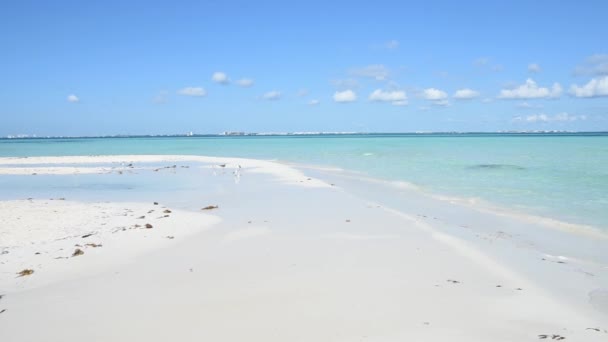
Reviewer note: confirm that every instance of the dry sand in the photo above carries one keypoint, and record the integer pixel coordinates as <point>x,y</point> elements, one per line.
<point>285,257</point>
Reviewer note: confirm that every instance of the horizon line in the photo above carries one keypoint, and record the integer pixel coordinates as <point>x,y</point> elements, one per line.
<point>275,134</point>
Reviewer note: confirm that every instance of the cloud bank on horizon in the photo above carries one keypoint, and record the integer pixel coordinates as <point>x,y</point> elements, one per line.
<point>211,77</point>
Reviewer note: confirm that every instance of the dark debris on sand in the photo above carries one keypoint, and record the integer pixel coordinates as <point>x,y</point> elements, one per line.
<point>25,272</point>
<point>553,337</point>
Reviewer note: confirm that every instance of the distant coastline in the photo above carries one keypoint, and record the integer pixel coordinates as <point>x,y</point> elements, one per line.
<point>282,134</point>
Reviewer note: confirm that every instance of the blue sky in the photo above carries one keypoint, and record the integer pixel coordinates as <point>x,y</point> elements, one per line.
<point>147,67</point>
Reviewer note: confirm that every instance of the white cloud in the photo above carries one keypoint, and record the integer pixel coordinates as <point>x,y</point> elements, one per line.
<point>542,118</point>
<point>396,97</point>
<point>442,103</point>
<point>465,94</point>
<point>531,90</point>
<point>220,77</point>
<point>193,91</point>
<point>244,82</point>
<point>314,102</point>
<point>534,67</point>
<point>377,71</point>
<point>272,95</point>
<point>434,94</point>
<point>345,96</point>
<point>391,45</point>
<point>596,65</point>
<point>595,88</point>
<point>73,98</point>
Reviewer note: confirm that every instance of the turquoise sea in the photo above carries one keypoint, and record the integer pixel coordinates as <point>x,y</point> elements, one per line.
<point>561,176</point>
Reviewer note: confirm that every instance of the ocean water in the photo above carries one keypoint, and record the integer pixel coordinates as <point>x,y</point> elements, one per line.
<point>563,176</point>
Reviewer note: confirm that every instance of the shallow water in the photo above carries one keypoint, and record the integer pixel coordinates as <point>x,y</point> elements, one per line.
<point>560,176</point>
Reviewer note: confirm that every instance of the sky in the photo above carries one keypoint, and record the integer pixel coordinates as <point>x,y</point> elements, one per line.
<point>73,68</point>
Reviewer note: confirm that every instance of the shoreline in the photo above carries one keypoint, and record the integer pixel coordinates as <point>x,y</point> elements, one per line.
<point>472,203</point>
<point>286,240</point>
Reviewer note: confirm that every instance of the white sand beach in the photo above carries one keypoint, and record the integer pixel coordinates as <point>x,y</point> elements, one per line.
<point>288,254</point>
